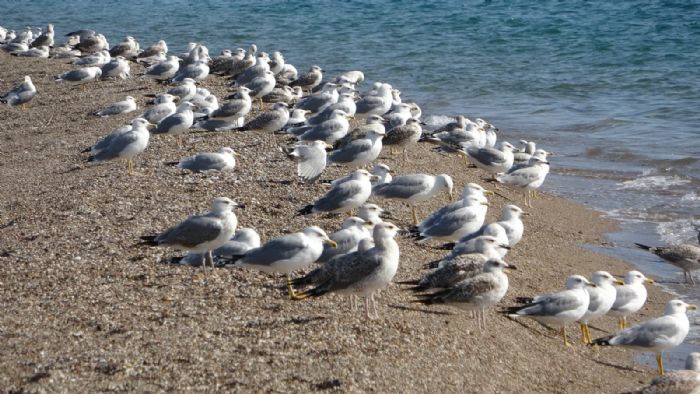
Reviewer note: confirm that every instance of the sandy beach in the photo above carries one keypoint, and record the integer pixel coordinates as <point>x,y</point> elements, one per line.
<point>87,309</point>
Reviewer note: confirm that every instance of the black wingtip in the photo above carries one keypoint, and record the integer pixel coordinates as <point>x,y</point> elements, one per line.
<point>432,264</point>
<point>171,163</point>
<point>411,282</point>
<point>524,300</point>
<point>307,210</point>
<point>149,240</point>
<point>91,159</point>
<point>642,246</point>
<point>604,341</point>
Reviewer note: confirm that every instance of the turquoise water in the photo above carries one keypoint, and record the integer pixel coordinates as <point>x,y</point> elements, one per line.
<point>611,87</point>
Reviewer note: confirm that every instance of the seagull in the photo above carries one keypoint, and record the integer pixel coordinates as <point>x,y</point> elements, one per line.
<point>414,188</point>
<point>559,308</point>
<point>269,121</point>
<point>123,143</point>
<point>310,158</point>
<point>201,233</point>
<point>46,39</point>
<point>358,273</point>
<point>377,104</point>
<point>383,172</point>
<point>164,70</point>
<point>80,75</point>
<point>450,272</point>
<point>20,94</point>
<point>185,90</point>
<point>331,130</point>
<point>509,224</point>
<point>347,194</point>
<point>528,177</point>
<point>655,335</point>
<point>233,111</point>
<point>470,190</point>
<point>287,253</point>
<point>371,214</point>
<point>347,239</point>
<point>242,241</point>
<point>404,135</point>
<point>164,108</point>
<point>475,293</point>
<point>223,160</point>
<point>359,152</point>
<point>492,160</point>
<point>488,245</point>
<point>630,297</point>
<point>120,107</point>
<point>37,52</point>
<point>309,80</point>
<point>177,123</point>
<point>128,48</point>
<point>683,381</point>
<point>602,298</point>
<point>457,223</point>
<point>683,256</point>
<point>154,49</point>
<point>118,67</point>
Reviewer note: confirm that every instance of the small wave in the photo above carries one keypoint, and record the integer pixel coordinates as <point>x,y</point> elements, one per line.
<point>433,122</point>
<point>679,231</point>
<point>653,182</point>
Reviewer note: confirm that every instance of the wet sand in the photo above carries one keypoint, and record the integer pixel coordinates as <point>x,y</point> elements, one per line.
<point>87,309</point>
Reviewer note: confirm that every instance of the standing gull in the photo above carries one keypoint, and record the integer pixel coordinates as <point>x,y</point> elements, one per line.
<point>287,253</point>
<point>123,143</point>
<point>458,223</point>
<point>177,123</point>
<point>602,298</point>
<point>414,188</point>
<point>80,75</point>
<point>347,194</point>
<point>331,130</point>
<point>361,273</point>
<point>359,152</point>
<point>231,113</point>
<point>559,308</point>
<point>683,381</point>
<point>492,160</point>
<point>450,272</point>
<point>383,172</point>
<point>165,69</point>
<point>164,107</point>
<point>269,121</point>
<point>630,297</point>
<point>470,190</point>
<point>475,293</point>
<point>200,233</point>
<point>309,80</point>
<point>528,177</point>
<point>655,335</point>
<point>683,256</point>
<point>404,135</point>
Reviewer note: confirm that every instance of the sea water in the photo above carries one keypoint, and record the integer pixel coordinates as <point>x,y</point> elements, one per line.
<point>611,87</point>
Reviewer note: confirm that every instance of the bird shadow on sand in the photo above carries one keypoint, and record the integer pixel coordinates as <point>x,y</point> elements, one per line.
<point>415,309</point>
<point>620,367</point>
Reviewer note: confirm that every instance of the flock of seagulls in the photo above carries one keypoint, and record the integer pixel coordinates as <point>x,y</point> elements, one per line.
<point>332,123</point>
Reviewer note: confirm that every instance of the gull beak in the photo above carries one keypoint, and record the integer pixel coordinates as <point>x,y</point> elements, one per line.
<point>591,285</point>
<point>509,268</point>
<point>451,196</point>
<point>486,203</point>
<point>525,213</point>
<point>151,126</point>
<point>692,307</point>
<point>306,111</point>
<point>329,146</point>
<point>368,224</point>
<point>236,154</point>
<point>650,281</point>
<point>618,282</point>
<point>330,242</point>
<point>349,117</point>
<point>374,177</point>
<point>488,192</point>
<point>462,153</point>
<point>242,206</point>
<point>504,246</point>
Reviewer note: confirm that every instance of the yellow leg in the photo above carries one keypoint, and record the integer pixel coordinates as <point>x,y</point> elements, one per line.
<point>584,337</point>
<point>293,294</point>
<point>563,334</point>
<point>660,363</point>
<point>415,216</point>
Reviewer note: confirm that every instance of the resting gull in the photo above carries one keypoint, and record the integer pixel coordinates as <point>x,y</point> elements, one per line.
<point>200,233</point>
<point>164,107</point>
<point>347,239</point>
<point>243,240</point>
<point>309,80</point>
<point>492,160</point>
<point>165,69</point>
<point>177,123</point>
<point>118,67</point>
<point>120,107</point>
<point>359,152</point>
<point>455,224</point>
<point>404,135</point>
<point>269,121</point>
<point>223,160</point>
<point>449,272</point>
<point>80,75</point>
<point>20,94</point>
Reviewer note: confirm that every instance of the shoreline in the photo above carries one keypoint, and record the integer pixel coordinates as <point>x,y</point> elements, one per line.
<point>135,322</point>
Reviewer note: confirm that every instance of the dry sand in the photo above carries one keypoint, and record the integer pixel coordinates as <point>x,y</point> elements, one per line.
<point>86,309</point>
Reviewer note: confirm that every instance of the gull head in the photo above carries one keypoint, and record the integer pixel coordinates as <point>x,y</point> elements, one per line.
<point>317,233</point>
<point>577,282</point>
<point>385,230</point>
<point>228,151</point>
<point>677,306</point>
<point>223,205</point>
<point>601,278</point>
<point>353,221</point>
<point>636,277</point>
<point>247,235</point>
<point>444,182</point>
<point>511,211</point>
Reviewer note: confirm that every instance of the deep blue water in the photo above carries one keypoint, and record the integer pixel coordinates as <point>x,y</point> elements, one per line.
<point>611,87</point>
